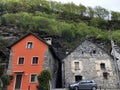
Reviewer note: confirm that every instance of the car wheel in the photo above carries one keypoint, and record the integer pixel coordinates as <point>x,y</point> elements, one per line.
<point>76,88</point>
<point>93,88</point>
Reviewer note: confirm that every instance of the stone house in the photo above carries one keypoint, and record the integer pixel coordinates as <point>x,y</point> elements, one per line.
<point>115,52</point>
<point>89,61</point>
<point>28,57</point>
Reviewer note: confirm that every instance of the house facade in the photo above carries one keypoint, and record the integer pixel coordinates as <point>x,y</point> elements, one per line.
<point>28,57</point>
<point>89,61</point>
<point>115,52</point>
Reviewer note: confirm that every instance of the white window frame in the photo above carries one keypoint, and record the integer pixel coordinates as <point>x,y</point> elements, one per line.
<point>73,66</point>
<point>35,78</point>
<point>32,60</point>
<point>15,81</point>
<point>27,44</point>
<point>78,68</point>
<point>18,60</point>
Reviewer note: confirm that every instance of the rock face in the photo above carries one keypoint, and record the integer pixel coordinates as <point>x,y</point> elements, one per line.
<point>88,61</point>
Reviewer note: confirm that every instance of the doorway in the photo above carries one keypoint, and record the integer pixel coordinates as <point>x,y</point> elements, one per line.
<point>18,82</point>
<point>78,78</point>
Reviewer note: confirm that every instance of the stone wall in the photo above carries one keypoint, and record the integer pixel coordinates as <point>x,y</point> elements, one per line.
<point>52,64</point>
<point>89,56</point>
<point>10,63</point>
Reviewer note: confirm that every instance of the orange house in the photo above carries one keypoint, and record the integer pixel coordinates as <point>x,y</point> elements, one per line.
<point>28,57</point>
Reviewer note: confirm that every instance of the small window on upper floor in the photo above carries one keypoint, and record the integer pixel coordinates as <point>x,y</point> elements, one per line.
<point>21,60</point>
<point>33,78</point>
<point>35,60</point>
<point>77,66</point>
<point>102,66</point>
<point>94,51</point>
<point>29,45</point>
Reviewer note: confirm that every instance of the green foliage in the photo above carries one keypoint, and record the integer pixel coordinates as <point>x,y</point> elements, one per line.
<point>90,12</point>
<point>24,20</point>
<point>116,36</point>
<point>99,23</point>
<point>11,6</point>
<point>6,80</point>
<point>3,43</point>
<point>43,80</point>
<point>115,15</point>
<point>68,21</point>
<point>1,70</point>
<point>101,12</point>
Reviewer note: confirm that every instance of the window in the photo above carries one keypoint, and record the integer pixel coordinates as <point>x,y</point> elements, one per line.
<point>21,60</point>
<point>33,78</point>
<point>105,75</point>
<point>89,81</point>
<point>35,60</point>
<point>102,66</point>
<point>94,51</point>
<point>77,66</point>
<point>29,45</point>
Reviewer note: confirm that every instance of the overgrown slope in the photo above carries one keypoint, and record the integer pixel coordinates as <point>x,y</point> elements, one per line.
<point>66,21</point>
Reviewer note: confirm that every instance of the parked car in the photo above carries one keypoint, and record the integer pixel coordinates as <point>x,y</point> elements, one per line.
<point>83,85</point>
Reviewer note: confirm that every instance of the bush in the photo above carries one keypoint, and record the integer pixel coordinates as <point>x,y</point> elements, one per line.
<point>43,80</point>
<point>6,80</point>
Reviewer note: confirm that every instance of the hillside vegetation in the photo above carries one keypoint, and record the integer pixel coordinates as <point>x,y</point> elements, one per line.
<point>70,22</point>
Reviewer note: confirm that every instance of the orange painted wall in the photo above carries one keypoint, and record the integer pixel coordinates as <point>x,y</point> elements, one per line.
<point>19,49</point>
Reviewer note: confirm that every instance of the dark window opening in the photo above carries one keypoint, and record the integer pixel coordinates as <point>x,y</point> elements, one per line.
<point>78,78</point>
<point>18,82</point>
<point>102,66</point>
<point>35,60</point>
<point>33,78</point>
<point>21,60</point>
<point>82,52</point>
<point>29,45</point>
<point>94,51</point>
<point>105,75</point>
<point>117,58</point>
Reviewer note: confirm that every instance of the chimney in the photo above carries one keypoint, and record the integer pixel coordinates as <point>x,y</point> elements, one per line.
<point>48,40</point>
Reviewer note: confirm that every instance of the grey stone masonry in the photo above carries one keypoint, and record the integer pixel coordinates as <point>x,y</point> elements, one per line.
<point>10,63</point>
<point>52,64</point>
<point>93,63</point>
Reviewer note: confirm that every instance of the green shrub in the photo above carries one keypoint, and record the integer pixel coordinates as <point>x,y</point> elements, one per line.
<point>6,80</point>
<point>43,80</point>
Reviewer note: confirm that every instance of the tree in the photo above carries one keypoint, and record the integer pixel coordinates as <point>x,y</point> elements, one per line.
<point>82,10</point>
<point>43,79</point>
<point>14,6</point>
<point>115,15</point>
<point>90,12</point>
<point>5,80</point>
<point>99,23</point>
<point>101,12</point>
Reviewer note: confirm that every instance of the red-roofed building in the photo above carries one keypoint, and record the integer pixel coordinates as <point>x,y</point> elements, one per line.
<point>28,57</point>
